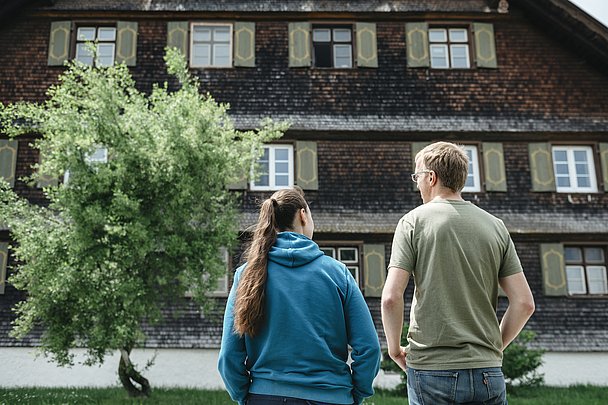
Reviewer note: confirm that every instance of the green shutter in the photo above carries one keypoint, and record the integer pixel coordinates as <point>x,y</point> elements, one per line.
<point>604,161</point>
<point>240,184</point>
<point>126,42</point>
<point>485,47</point>
<point>3,263</point>
<point>244,44</point>
<point>59,42</point>
<point>177,36</point>
<point>306,164</point>
<point>367,50</point>
<point>8,160</point>
<point>416,147</point>
<point>553,268</point>
<point>541,167</point>
<point>417,43</point>
<point>299,44</point>
<point>494,165</point>
<point>375,270</point>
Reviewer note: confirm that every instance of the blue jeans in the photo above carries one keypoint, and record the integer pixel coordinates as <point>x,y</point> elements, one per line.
<point>470,386</point>
<point>259,399</point>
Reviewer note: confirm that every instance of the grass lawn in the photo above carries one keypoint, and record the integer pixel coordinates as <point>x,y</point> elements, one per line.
<point>576,395</point>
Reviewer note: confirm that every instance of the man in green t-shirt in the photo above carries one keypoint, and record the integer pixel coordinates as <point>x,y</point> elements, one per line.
<point>458,255</point>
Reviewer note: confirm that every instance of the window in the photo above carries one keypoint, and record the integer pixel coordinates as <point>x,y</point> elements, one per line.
<point>574,169</point>
<point>333,46</point>
<point>99,155</point>
<point>473,183</point>
<point>349,255</point>
<point>274,169</point>
<point>449,48</point>
<point>105,39</point>
<point>211,45</point>
<point>586,270</point>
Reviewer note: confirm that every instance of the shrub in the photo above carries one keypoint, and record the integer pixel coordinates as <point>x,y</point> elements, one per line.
<point>520,362</point>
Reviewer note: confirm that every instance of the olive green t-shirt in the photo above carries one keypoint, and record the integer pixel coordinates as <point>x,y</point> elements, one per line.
<point>456,253</point>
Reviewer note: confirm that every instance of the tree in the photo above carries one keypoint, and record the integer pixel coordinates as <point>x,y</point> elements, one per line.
<point>128,233</point>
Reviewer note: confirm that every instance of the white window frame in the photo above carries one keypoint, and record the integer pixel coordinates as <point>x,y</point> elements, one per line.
<point>354,266</point>
<point>335,44</point>
<point>572,173</point>
<point>474,171</point>
<point>82,52</point>
<point>447,45</point>
<point>271,169</point>
<point>212,55</point>
<point>571,271</point>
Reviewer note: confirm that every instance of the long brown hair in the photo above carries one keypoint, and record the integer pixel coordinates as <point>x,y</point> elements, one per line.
<point>276,215</point>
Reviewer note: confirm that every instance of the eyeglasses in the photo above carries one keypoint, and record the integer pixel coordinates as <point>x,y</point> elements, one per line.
<point>417,174</point>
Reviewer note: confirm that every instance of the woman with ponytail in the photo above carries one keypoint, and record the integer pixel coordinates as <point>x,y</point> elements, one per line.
<point>291,316</point>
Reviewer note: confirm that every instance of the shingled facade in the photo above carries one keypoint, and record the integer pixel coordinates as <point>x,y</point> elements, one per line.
<point>522,84</point>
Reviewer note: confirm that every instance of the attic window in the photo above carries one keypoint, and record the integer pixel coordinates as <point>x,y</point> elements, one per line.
<point>105,39</point>
<point>586,270</point>
<point>333,46</point>
<point>211,45</point>
<point>449,48</point>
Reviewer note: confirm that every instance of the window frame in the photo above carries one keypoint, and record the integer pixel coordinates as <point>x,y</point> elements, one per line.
<point>230,44</point>
<point>448,45</point>
<point>271,169</point>
<point>476,164</point>
<point>583,266</point>
<point>97,25</point>
<point>572,175</point>
<point>357,265</point>
<point>332,44</point>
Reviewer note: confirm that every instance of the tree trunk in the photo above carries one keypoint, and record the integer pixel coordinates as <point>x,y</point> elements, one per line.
<point>129,377</point>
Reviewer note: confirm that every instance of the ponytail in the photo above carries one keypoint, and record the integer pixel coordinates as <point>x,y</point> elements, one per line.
<point>276,215</point>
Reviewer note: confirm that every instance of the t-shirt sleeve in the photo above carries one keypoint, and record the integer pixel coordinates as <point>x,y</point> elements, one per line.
<point>402,252</point>
<point>510,263</point>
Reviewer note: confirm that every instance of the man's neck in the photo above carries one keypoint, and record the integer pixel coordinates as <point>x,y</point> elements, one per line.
<point>445,194</point>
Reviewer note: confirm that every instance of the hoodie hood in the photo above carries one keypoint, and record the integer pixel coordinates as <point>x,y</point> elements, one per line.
<point>293,249</point>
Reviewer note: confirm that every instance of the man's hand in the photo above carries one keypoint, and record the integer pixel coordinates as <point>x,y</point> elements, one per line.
<point>399,358</point>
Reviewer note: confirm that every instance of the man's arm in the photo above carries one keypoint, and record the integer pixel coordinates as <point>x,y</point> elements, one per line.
<point>521,306</point>
<point>392,312</point>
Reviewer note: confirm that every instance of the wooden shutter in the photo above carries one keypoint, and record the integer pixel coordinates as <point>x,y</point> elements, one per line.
<point>307,165</point>
<point>59,42</point>
<point>8,160</point>
<point>3,264</point>
<point>416,147</point>
<point>417,43</point>
<point>553,268</point>
<point>299,44</point>
<point>485,47</point>
<point>177,36</point>
<point>244,44</point>
<point>45,179</point>
<point>375,270</point>
<point>541,167</point>
<point>126,42</point>
<point>367,49</point>
<point>494,167</point>
<point>240,184</point>
<point>604,162</point>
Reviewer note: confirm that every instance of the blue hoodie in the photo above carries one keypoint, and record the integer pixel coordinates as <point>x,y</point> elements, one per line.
<point>313,311</point>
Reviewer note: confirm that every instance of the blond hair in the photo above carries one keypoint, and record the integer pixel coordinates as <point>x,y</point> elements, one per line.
<point>277,214</point>
<point>449,161</point>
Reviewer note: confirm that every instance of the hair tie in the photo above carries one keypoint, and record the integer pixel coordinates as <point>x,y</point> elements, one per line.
<point>275,203</point>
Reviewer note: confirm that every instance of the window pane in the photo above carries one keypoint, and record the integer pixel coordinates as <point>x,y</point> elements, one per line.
<point>321,35</point>
<point>323,54</point>
<point>560,155</point>
<point>460,56</point>
<point>83,55</point>
<point>439,56</point>
<point>221,55</point>
<point>354,270</point>
<point>342,55</point>
<point>576,280</point>
<point>458,35</point>
<point>105,54</point>
<point>281,180</point>
<point>201,55</point>
<point>86,34</point>
<point>202,34</point>
<point>582,169</point>
<point>328,251</point>
<point>580,156</point>
<point>262,180</point>
<point>348,255</point>
<point>342,35</point>
<point>563,182</point>
<point>594,255</point>
<point>438,35</point>
<point>106,34</point>
<point>596,276</point>
<point>573,255</point>
<point>281,154</point>
<point>265,155</point>
<point>221,34</point>
<point>99,155</point>
<point>583,182</point>
<point>281,167</point>
<point>561,168</point>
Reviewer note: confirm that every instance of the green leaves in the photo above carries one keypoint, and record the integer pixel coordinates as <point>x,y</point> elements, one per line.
<point>124,235</point>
